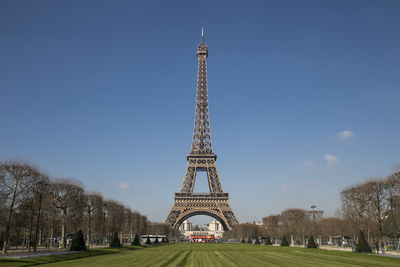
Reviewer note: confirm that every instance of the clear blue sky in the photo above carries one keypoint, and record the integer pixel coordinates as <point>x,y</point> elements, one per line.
<point>104,91</point>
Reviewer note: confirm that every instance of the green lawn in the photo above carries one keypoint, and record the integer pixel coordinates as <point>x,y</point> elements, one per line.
<point>209,255</point>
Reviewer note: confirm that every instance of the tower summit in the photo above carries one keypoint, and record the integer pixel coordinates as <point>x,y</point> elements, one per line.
<point>201,141</point>
<point>201,159</point>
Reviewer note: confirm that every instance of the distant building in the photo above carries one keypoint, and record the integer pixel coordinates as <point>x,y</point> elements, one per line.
<point>214,228</point>
<point>186,226</point>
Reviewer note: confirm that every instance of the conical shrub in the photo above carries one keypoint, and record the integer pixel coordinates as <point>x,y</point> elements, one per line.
<point>242,241</point>
<point>148,242</point>
<point>311,242</point>
<point>249,241</point>
<point>135,241</point>
<point>257,241</point>
<point>284,242</point>
<point>78,243</point>
<point>362,244</point>
<point>1,239</point>
<point>115,241</point>
<point>156,241</point>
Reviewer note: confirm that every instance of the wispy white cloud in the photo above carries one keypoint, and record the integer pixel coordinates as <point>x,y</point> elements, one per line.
<point>124,186</point>
<point>345,134</point>
<point>331,160</point>
<point>308,163</point>
<point>288,187</point>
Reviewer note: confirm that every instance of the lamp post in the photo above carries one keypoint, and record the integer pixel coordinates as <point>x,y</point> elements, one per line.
<point>313,211</point>
<point>104,223</point>
<point>390,187</point>
<point>313,215</point>
<point>42,183</point>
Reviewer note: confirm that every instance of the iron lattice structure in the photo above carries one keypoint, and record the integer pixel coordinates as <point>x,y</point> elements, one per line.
<point>201,158</point>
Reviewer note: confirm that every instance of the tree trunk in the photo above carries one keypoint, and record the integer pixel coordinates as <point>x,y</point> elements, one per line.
<point>7,228</point>
<point>64,229</point>
<point>40,237</point>
<point>30,231</point>
<point>51,237</point>
<point>88,241</point>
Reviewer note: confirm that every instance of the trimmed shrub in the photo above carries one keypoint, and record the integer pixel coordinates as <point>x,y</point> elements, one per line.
<point>242,241</point>
<point>257,241</point>
<point>148,242</point>
<point>362,244</point>
<point>78,243</point>
<point>166,240</point>
<point>249,241</point>
<point>311,242</point>
<point>115,241</point>
<point>284,242</point>
<point>268,241</point>
<point>156,241</point>
<point>135,241</point>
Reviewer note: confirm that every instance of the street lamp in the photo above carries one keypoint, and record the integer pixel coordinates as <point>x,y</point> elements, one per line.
<point>313,215</point>
<point>313,210</point>
<point>42,183</point>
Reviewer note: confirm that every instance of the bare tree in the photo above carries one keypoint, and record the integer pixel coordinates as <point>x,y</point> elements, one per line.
<point>115,216</point>
<point>272,226</point>
<point>94,204</point>
<point>355,205</point>
<point>68,197</point>
<point>17,181</point>
<point>295,222</point>
<point>392,185</point>
<point>377,195</point>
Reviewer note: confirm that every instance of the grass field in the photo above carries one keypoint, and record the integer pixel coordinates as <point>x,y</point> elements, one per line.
<point>208,255</point>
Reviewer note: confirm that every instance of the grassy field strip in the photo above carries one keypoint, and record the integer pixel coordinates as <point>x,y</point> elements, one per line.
<point>154,257</point>
<point>298,257</point>
<point>227,260</point>
<point>243,258</point>
<point>326,258</point>
<point>216,258</point>
<point>305,257</point>
<point>277,259</point>
<point>177,259</point>
<point>208,255</point>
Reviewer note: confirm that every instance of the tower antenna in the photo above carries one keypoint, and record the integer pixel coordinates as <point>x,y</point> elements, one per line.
<point>202,35</point>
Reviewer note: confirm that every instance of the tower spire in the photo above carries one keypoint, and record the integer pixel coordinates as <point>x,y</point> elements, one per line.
<point>201,141</point>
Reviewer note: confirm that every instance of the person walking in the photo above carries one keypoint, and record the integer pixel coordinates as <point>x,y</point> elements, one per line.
<point>377,247</point>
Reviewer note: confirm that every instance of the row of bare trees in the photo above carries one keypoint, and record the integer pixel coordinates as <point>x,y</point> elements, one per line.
<point>36,210</point>
<point>243,231</point>
<point>300,224</point>
<point>296,224</point>
<point>374,207</point>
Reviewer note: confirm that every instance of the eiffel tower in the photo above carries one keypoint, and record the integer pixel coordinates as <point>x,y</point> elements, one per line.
<point>201,158</point>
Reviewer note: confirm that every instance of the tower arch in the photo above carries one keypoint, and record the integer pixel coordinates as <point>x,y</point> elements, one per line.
<point>202,212</point>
